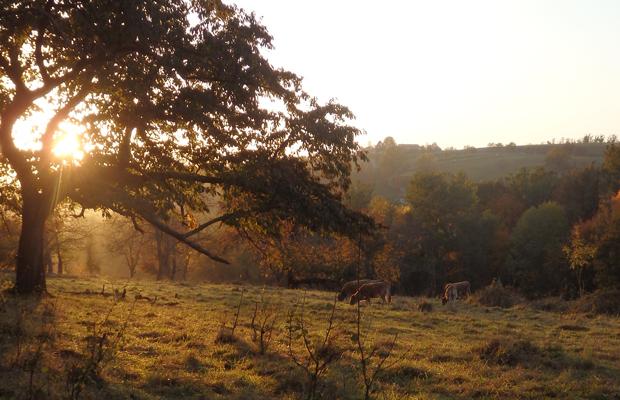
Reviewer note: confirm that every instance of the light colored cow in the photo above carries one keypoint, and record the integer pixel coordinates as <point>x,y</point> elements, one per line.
<point>351,287</point>
<point>371,290</point>
<point>453,290</point>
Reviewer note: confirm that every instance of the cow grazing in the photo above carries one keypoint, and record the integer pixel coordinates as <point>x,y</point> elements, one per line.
<point>452,291</point>
<point>370,290</point>
<point>351,287</point>
<point>449,294</point>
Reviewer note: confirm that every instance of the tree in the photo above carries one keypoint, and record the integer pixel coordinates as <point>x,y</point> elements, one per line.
<point>580,254</point>
<point>559,158</point>
<point>596,244</point>
<point>124,239</point>
<point>480,249</point>
<point>297,256</point>
<point>536,263</point>
<point>9,227</point>
<point>579,192</point>
<point>93,264</point>
<point>359,195</point>
<point>390,162</point>
<point>426,162</point>
<point>500,200</point>
<point>533,186</point>
<point>9,216</point>
<point>170,97</point>
<point>611,165</point>
<point>440,203</point>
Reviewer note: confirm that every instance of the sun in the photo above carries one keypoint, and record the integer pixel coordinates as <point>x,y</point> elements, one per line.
<point>68,144</point>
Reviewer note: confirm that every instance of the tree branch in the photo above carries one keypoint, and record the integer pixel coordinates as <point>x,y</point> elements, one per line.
<point>4,64</point>
<point>180,237</point>
<point>135,225</point>
<point>38,55</point>
<point>54,82</point>
<point>14,70</point>
<point>124,150</point>
<point>16,158</point>
<point>222,218</point>
<point>188,177</point>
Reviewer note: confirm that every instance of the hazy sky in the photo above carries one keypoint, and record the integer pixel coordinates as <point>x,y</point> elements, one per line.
<point>456,72</point>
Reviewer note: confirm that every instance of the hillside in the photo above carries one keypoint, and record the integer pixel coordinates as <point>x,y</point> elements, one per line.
<point>81,344</point>
<point>390,169</point>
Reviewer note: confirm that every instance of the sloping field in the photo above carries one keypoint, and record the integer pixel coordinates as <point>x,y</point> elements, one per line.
<point>493,163</point>
<point>482,164</point>
<point>81,344</point>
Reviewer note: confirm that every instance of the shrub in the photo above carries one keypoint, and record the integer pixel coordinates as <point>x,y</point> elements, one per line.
<point>511,352</point>
<point>507,351</point>
<point>226,334</point>
<point>603,301</point>
<point>497,296</point>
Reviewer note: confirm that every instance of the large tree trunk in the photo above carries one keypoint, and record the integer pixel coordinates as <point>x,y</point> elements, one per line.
<point>30,271</point>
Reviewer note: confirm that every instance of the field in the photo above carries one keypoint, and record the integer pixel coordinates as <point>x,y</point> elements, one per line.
<point>78,343</point>
<point>495,163</point>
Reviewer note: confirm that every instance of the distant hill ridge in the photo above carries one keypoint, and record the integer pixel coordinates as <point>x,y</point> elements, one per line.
<point>391,166</point>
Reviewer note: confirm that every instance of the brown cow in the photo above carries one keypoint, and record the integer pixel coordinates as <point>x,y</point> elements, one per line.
<point>372,289</point>
<point>351,287</point>
<point>452,291</point>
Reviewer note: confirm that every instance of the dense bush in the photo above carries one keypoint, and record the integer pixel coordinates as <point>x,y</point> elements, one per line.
<point>603,301</point>
<point>497,296</point>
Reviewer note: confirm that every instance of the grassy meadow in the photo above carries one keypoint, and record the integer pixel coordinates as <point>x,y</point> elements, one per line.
<point>78,343</point>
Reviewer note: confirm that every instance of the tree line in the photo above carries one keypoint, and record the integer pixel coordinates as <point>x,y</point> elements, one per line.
<point>542,231</point>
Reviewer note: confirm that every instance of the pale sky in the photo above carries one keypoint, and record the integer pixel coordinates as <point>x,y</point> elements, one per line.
<point>460,72</point>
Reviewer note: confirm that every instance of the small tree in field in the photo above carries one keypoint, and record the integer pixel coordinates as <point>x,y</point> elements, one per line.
<point>170,98</point>
<point>580,254</point>
<point>93,266</point>
<point>130,243</point>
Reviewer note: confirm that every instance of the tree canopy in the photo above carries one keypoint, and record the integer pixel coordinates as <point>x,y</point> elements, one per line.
<point>179,107</point>
<point>535,263</point>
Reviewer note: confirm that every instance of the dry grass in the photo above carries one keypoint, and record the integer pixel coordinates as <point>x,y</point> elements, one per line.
<point>168,349</point>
